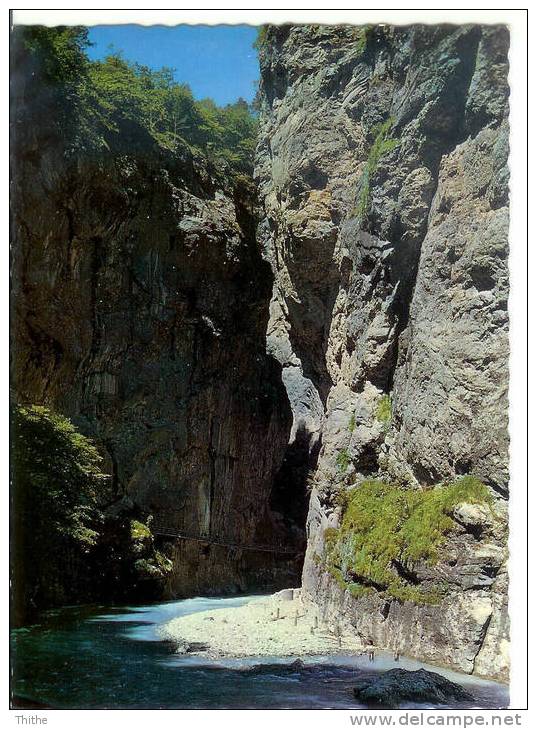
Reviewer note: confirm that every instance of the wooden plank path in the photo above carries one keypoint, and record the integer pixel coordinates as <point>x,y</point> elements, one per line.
<point>163,530</point>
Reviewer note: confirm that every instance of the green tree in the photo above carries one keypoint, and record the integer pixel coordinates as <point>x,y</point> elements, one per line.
<point>50,88</point>
<point>112,105</point>
<point>67,547</point>
<point>57,487</point>
<point>125,101</point>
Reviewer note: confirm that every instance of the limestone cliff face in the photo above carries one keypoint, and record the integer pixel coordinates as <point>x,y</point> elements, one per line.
<point>382,169</point>
<point>140,310</point>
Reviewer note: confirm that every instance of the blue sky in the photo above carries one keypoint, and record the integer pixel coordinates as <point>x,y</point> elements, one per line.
<point>216,61</point>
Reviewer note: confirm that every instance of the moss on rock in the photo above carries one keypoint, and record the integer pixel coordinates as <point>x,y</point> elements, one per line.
<point>384,409</point>
<point>385,524</point>
<point>139,531</point>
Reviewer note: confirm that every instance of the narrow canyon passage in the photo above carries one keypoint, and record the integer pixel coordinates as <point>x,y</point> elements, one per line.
<point>291,352</point>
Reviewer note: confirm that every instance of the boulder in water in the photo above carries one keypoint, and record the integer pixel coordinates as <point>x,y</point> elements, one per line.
<point>398,685</point>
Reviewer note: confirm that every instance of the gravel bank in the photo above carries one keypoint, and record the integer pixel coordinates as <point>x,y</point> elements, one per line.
<point>278,625</point>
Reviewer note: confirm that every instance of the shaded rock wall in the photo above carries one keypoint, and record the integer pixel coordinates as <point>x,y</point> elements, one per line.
<point>382,170</point>
<point>140,305</point>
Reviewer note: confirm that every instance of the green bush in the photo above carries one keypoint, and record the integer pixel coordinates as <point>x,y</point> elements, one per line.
<point>384,524</point>
<point>65,548</point>
<point>58,477</point>
<point>352,423</point>
<point>362,37</point>
<point>382,144</point>
<point>384,409</point>
<point>357,590</point>
<point>152,568</point>
<point>139,532</point>
<point>261,39</point>
<point>330,536</point>
<point>150,563</point>
<point>343,460</point>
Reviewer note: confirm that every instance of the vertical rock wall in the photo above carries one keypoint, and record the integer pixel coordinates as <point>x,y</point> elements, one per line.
<point>382,170</point>
<point>140,306</point>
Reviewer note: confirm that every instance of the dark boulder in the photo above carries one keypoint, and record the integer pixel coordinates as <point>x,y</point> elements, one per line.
<point>398,685</point>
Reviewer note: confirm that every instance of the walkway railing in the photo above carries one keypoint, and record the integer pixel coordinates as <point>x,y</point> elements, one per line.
<point>162,529</point>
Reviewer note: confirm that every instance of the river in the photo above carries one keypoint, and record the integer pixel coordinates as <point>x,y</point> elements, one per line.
<point>95,657</point>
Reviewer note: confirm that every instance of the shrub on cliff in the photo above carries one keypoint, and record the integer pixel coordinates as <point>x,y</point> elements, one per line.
<point>362,34</point>
<point>149,562</point>
<point>383,143</point>
<point>261,38</point>
<point>343,460</point>
<point>385,524</point>
<point>384,409</point>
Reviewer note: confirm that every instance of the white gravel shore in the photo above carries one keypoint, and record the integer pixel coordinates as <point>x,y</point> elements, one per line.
<point>278,625</point>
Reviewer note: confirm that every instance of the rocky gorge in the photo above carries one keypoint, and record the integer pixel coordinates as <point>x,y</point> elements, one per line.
<point>382,167</point>
<point>248,353</point>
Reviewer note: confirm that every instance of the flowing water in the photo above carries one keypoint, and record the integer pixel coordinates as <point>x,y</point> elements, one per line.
<point>112,658</point>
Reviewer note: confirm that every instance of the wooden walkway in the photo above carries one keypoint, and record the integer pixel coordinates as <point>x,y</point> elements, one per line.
<point>164,530</point>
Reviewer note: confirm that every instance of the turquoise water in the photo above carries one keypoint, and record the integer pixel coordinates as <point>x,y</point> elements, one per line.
<point>112,658</point>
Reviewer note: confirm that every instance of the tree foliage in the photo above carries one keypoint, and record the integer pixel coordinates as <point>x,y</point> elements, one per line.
<point>59,480</point>
<point>114,105</point>
<point>50,92</point>
<point>57,487</point>
<point>66,547</point>
<point>261,38</point>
